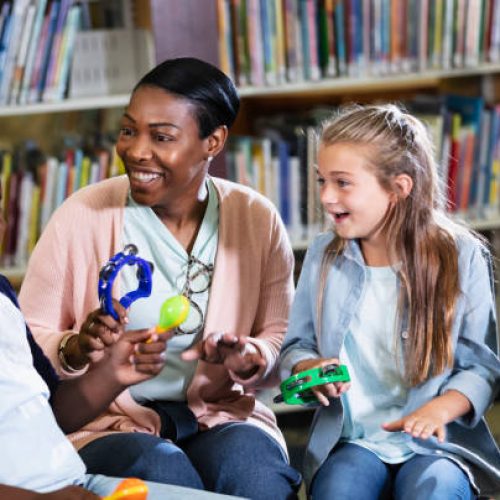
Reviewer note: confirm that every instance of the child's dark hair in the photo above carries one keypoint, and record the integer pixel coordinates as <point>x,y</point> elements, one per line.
<point>210,91</point>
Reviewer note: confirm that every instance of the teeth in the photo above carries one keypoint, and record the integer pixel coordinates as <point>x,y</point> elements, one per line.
<point>144,177</point>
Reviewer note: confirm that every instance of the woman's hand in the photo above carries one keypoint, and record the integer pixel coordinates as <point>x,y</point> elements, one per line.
<point>235,353</point>
<point>325,391</point>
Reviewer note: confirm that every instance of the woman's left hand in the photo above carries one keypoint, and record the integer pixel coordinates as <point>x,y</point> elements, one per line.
<point>235,353</point>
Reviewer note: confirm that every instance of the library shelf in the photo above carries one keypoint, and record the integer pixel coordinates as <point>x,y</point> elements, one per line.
<point>366,83</point>
<point>84,103</point>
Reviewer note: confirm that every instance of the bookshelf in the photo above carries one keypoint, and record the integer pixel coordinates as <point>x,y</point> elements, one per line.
<point>178,29</point>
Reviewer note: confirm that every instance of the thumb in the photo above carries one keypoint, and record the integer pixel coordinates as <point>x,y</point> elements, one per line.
<point>396,425</point>
<point>137,336</point>
<point>195,352</point>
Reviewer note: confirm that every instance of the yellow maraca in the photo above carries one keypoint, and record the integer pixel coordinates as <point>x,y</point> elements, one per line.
<point>129,489</point>
<point>173,312</point>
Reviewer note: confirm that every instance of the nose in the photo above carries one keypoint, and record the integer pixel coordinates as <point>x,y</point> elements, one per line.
<point>139,148</point>
<point>328,194</point>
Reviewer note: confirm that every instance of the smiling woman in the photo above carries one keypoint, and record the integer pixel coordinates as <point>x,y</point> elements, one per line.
<point>195,229</point>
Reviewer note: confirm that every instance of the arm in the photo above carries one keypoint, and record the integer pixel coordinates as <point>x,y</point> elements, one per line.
<point>136,356</point>
<point>250,355</point>
<point>66,493</point>
<point>300,342</point>
<point>469,390</point>
<point>431,418</point>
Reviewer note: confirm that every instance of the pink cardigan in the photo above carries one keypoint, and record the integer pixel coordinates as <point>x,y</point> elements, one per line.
<point>251,294</point>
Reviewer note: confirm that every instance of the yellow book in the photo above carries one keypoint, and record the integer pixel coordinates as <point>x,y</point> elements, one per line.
<point>85,173</point>
<point>6,173</point>
<point>34,219</point>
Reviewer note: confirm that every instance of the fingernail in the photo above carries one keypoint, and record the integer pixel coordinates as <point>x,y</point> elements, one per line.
<point>132,359</point>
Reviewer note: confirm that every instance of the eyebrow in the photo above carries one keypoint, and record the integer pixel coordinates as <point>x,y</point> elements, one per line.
<point>154,125</point>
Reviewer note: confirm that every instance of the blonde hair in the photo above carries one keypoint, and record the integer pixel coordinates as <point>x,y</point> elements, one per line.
<point>421,234</point>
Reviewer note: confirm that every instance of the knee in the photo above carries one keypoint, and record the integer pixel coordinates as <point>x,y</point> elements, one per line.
<point>167,464</point>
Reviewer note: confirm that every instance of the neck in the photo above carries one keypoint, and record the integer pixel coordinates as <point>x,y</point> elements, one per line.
<point>183,217</point>
<point>375,253</point>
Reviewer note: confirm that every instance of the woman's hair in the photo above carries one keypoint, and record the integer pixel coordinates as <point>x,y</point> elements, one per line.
<point>207,88</point>
<point>421,235</point>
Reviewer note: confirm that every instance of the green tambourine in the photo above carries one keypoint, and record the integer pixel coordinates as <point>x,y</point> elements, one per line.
<point>296,390</point>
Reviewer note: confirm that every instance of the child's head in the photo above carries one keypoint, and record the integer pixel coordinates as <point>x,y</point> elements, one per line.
<point>394,149</point>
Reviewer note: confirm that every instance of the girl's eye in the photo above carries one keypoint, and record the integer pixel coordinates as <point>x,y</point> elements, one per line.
<point>320,181</point>
<point>341,183</point>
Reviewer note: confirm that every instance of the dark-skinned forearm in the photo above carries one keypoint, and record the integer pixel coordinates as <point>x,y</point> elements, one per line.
<point>78,401</point>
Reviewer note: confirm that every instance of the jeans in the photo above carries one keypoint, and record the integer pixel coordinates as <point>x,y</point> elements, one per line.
<point>234,458</point>
<point>353,472</point>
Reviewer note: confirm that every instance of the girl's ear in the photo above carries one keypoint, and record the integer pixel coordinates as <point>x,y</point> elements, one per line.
<point>216,141</point>
<point>402,184</point>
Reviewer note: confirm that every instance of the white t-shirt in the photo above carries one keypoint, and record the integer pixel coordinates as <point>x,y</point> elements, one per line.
<point>378,392</point>
<point>35,454</point>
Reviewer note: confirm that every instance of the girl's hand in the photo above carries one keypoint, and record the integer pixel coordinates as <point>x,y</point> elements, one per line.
<point>419,424</point>
<point>325,391</point>
<point>235,353</point>
<point>431,418</point>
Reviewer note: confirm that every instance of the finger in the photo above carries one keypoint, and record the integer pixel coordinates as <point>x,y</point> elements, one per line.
<point>394,426</point>
<point>149,368</point>
<point>121,311</point>
<point>195,352</point>
<point>142,359</point>
<point>94,344</point>
<point>427,431</point>
<point>138,336</point>
<point>323,400</point>
<point>440,433</point>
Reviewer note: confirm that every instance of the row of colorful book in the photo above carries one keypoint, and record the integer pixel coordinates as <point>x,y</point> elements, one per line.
<point>36,41</point>
<point>280,162</point>
<point>33,186</point>
<point>268,42</point>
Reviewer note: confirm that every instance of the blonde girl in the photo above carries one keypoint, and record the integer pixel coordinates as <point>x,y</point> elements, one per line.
<point>403,296</point>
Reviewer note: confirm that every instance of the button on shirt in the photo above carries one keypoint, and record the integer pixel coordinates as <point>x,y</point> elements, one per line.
<point>157,244</point>
<point>377,393</point>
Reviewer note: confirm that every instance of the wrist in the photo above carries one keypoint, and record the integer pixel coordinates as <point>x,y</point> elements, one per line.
<point>70,355</point>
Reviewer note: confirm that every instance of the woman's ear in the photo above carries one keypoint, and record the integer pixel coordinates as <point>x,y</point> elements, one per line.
<point>402,184</point>
<point>216,140</point>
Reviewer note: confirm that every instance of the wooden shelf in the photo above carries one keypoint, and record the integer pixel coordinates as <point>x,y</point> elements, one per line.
<point>84,103</point>
<point>415,80</point>
<point>361,83</point>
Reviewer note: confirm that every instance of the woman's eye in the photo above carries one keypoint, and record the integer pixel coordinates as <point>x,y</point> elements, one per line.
<point>125,131</point>
<point>163,138</point>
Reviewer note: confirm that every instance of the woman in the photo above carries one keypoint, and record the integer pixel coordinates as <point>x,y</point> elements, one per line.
<point>220,244</point>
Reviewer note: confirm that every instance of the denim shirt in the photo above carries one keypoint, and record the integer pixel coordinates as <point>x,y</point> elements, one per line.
<point>475,372</point>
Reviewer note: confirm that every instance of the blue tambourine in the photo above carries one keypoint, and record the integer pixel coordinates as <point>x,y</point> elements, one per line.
<point>109,272</point>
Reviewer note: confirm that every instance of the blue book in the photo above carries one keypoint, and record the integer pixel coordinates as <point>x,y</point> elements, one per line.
<point>4,40</point>
<point>40,85</point>
<point>284,181</point>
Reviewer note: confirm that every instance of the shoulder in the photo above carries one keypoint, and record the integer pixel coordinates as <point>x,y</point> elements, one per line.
<point>237,196</point>
<point>470,248</point>
<point>318,245</point>
<point>109,193</point>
